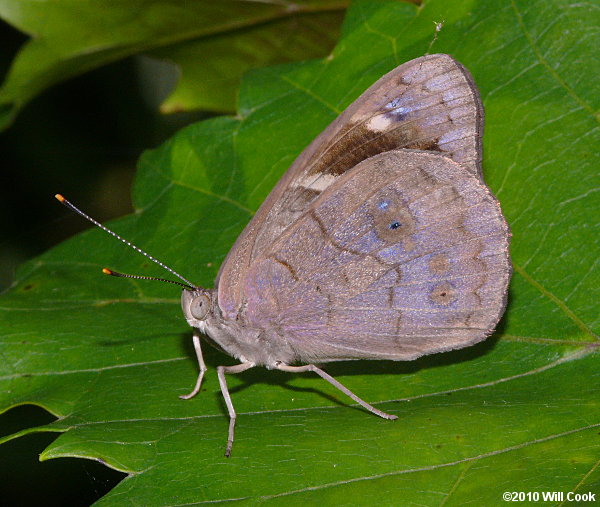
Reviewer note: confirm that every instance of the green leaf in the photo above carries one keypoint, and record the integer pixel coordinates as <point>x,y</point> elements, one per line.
<point>211,68</point>
<point>213,43</point>
<point>519,412</point>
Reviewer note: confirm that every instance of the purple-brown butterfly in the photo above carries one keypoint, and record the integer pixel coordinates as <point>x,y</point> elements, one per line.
<point>382,241</point>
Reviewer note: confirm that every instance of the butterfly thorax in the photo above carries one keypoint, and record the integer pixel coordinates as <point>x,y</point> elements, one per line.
<point>233,336</point>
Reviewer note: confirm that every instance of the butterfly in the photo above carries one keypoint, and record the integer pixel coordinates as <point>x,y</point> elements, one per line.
<point>381,241</point>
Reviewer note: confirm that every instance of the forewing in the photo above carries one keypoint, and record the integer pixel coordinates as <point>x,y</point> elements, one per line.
<point>429,103</point>
<point>403,256</point>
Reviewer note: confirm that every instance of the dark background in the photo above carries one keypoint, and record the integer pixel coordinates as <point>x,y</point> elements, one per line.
<point>81,138</point>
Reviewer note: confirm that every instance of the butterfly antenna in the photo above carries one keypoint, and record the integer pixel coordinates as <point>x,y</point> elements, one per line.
<point>110,272</point>
<point>107,271</point>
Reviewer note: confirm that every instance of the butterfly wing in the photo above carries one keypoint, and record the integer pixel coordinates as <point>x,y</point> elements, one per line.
<point>429,103</point>
<point>405,255</point>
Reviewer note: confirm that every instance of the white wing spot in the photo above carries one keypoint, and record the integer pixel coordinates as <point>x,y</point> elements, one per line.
<point>379,123</point>
<point>317,183</point>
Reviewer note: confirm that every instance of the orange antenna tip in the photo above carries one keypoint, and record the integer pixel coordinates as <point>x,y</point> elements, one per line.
<point>188,285</point>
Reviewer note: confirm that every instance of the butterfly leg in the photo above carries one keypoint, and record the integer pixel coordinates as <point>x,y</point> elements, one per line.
<point>221,372</point>
<point>336,384</point>
<point>201,364</point>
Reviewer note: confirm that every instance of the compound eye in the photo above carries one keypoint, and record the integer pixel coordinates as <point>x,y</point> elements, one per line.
<point>199,307</point>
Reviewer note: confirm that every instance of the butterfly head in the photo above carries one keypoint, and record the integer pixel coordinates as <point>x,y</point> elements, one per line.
<point>197,305</point>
